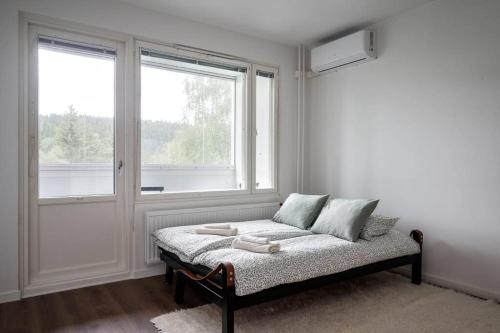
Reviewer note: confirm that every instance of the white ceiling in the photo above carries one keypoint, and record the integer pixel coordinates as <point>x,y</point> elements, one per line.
<point>285,21</point>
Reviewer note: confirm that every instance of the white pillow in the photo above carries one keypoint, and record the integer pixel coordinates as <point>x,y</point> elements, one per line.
<point>377,225</point>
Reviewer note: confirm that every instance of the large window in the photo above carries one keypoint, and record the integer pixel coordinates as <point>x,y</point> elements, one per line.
<point>76,118</point>
<point>192,124</point>
<point>197,113</point>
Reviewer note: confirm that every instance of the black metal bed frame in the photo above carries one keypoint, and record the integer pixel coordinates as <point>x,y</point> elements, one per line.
<point>217,285</point>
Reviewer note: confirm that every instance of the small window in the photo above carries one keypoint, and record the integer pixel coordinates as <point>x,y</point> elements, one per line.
<point>193,124</point>
<point>265,125</point>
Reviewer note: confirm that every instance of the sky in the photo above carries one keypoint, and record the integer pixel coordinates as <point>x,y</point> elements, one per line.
<point>87,83</point>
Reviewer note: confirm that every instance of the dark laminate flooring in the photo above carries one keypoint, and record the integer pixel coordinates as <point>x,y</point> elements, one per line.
<point>125,306</point>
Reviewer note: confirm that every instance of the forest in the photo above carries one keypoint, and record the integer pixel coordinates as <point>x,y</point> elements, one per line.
<point>202,138</point>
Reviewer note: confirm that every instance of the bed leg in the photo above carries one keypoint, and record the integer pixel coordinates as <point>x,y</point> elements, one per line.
<point>179,288</point>
<point>228,312</point>
<point>229,294</point>
<point>169,275</point>
<point>416,271</point>
<point>416,267</point>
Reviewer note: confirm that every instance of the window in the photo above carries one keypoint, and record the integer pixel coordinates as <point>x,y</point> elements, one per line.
<point>264,130</point>
<point>195,116</point>
<point>192,124</point>
<point>76,111</point>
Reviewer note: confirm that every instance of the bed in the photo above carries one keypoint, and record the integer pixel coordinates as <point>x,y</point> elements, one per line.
<point>234,278</point>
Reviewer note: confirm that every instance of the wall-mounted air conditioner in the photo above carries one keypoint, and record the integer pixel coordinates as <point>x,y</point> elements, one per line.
<point>347,51</point>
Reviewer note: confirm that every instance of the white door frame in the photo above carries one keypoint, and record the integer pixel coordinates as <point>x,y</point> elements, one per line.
<point>26,136</point>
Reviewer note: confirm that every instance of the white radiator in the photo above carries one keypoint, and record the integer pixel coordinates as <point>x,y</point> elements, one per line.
<point>171,218</point>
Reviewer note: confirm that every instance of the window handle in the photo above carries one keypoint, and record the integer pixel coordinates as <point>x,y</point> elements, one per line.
<point>120,167</point>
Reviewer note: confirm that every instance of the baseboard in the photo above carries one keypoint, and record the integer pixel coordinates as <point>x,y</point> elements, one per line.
<point>406,271</point>
<point>450,284</point>
<point>41,289</point>
<point>10,296</point>
<point>150,271</point>
<point>155,270</point>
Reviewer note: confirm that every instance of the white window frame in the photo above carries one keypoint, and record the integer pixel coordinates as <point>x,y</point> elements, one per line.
<point>248,127</point>
<point>119,117</point>
<point>274,137</point>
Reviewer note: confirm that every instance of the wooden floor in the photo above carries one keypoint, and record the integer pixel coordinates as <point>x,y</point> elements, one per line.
<point>116,307</point>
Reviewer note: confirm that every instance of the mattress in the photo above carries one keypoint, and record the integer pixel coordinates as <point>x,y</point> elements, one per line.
<point>303,255</point>
<point>185,243</point>
<point>306,257</point>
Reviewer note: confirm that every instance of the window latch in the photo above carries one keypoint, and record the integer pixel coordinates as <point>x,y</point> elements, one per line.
<point>120,167</point>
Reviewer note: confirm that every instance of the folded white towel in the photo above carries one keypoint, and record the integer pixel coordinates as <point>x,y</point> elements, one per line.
<point>217,226</point>
<point>220,232</point>
<point>254,239</point>
<point>253,247</point>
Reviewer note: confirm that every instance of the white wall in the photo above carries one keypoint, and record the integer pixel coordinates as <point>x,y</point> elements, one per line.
<point>419,128</point>
<point>124,18</point>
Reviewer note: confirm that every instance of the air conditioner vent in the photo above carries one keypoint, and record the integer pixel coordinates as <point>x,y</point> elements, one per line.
<point>350,50</point>
<point>349,63</point>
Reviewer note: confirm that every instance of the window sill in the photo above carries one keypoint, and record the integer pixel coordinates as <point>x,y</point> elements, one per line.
<point>207,196</point>
<point>76,199</point>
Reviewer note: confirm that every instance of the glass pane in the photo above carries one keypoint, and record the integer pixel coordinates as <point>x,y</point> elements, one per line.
<point>188,129</point>
<point>76,110</point>
<point>264,123</point>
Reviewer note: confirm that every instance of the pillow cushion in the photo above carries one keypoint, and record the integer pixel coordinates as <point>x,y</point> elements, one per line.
<point>344,218</point>
<point>377,225</point>
<point>300,210</point>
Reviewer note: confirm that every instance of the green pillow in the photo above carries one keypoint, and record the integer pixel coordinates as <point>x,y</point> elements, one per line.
<point>344,218</point>
<point>300,210</point>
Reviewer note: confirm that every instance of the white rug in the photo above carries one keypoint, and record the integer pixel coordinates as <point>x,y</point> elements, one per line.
<point>382,302</point>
